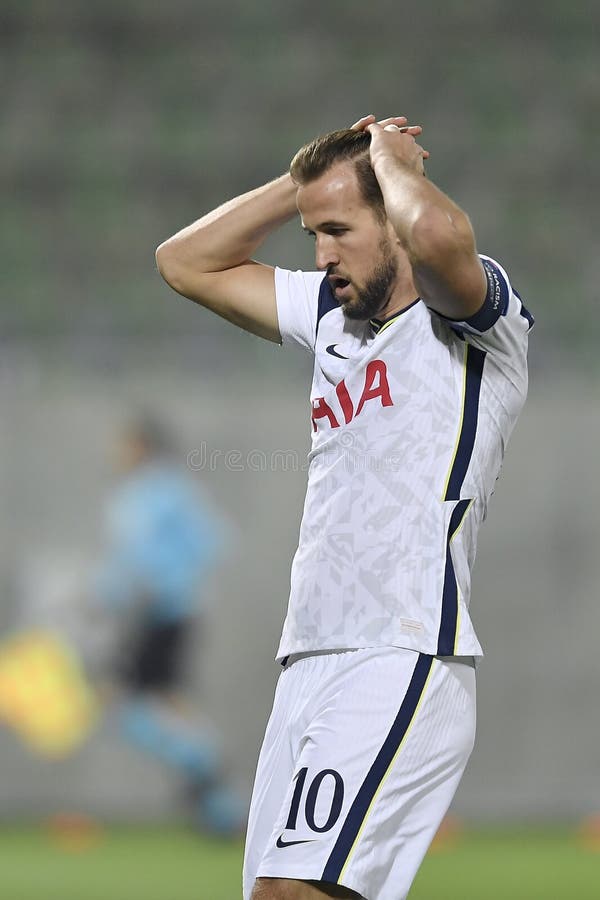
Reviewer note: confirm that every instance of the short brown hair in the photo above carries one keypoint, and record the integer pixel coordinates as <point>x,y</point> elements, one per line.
<point>315,158</point>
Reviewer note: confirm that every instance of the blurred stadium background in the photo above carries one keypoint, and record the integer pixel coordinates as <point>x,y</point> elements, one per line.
<point>125,119</point>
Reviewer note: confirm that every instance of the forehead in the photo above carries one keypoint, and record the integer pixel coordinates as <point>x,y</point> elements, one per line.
<point>335,195</point>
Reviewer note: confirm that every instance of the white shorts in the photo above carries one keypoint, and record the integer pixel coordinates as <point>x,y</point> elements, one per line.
<point>362,755</point>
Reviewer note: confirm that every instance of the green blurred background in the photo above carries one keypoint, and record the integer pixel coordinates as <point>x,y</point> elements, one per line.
<point>123,120</point>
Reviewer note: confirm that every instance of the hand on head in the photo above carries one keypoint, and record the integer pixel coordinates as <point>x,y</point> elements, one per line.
<point>363,124</point>
<point>393,137</point>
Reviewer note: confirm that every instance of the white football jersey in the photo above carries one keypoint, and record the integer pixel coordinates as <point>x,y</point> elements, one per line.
<point>410,419</point>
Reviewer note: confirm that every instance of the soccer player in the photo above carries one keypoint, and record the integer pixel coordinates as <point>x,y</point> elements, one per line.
<point>419,347</point>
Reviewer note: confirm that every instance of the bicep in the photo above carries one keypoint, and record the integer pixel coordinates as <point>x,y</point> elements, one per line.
<point>244,295</point>
<point>457,293</point>
<point>448,272</point>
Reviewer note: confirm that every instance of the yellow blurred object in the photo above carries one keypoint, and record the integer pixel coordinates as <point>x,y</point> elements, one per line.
<point>44,695</point>
<point>74,832</point>
<point>589,833</point>
<point>448,835</point>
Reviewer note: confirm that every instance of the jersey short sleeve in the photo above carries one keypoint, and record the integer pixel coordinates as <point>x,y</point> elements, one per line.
<point>297,295</point>
<point>502,324</point>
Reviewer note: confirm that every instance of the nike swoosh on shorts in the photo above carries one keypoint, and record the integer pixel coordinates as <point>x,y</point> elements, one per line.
<point>281,843</point>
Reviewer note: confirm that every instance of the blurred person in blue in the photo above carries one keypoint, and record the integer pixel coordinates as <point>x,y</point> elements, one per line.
<point>163,539</point>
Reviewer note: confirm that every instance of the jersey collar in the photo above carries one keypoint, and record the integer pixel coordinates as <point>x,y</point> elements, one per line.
<point>379,325</point>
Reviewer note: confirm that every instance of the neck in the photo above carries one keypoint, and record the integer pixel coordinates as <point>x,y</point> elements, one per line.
<point>403,294</point>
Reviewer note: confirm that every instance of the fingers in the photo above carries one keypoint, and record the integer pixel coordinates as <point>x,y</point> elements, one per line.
<point>413,130</point>
<point>393,120</point>
<point>392,123</point>
<point>397,125</point>
<point>362,123</point>
<point>399,122</point>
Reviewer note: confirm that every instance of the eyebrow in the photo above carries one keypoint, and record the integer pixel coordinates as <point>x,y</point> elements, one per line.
<point>324,225</point>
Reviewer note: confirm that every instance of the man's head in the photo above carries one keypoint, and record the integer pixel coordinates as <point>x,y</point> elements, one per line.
<point>346,145</point>
<point>140,440</point>
<point>341,204</point>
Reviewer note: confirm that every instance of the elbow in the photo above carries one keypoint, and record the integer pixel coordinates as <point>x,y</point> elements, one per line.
<point>160,254</point>
<point>169,265</point>
<point>164,260</point>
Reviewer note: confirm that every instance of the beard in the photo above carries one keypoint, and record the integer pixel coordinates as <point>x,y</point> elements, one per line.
<point>375,293</point>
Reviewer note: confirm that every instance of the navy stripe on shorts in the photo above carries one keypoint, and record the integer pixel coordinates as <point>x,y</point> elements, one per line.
<point>362,802</point>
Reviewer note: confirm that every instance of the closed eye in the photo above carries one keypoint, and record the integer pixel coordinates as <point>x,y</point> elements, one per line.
<point>334,230</point>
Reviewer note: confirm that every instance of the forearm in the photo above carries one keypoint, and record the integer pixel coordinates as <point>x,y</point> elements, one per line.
<point>428,223</point>
<point>230,234</point>
<point>434,232</point>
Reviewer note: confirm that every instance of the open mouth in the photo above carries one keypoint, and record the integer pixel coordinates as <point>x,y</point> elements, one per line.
<point>337,283</point>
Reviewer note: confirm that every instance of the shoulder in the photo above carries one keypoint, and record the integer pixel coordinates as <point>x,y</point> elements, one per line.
<point>303,298</point>
<point>288,281</point>
<point>502,323</point>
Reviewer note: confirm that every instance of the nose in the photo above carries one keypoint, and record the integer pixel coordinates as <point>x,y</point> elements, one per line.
<point>326,255</point>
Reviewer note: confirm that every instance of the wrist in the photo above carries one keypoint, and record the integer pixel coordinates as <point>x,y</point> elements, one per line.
<point>284,190</point>
<point>389,168</point>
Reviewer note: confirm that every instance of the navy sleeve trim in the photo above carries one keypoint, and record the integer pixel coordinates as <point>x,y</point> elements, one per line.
<point>496,299</point>
<point>326,302</point>
<point>495,303</point>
